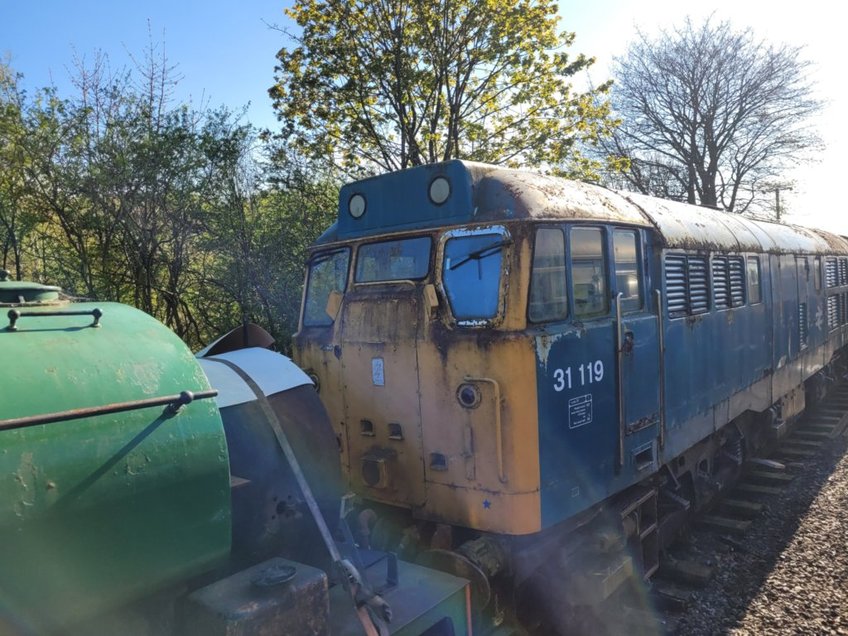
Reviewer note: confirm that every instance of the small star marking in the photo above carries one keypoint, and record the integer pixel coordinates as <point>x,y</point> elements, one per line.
<point>487,504</point>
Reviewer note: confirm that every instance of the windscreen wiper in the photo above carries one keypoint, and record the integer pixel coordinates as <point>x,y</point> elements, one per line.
<point>476,255</point>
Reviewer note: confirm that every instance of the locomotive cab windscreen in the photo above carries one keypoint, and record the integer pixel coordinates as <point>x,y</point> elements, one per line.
<point>470,274</point>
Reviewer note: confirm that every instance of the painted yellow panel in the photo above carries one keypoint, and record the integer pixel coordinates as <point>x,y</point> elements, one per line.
<point>381,407</point>
<point>492,448</point>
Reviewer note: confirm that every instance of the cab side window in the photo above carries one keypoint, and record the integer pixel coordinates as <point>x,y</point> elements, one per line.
<point>627,279</point>
<point>755,293</point>
<point>588,272</point>
<point>548,294</point>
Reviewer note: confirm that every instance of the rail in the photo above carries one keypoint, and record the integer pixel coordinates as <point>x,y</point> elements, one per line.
<point>661,347</point>
<point>15,315</point>
<point>619,350</point>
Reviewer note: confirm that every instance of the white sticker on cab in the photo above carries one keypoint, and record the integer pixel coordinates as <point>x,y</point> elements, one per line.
<point>377,372</point>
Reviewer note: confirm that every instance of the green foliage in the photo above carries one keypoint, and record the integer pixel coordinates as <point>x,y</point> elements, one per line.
<point>118,194</point>
<point>396,83</point>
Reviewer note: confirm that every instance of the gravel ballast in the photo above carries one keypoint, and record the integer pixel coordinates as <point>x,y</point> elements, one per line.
<point>788,574</point>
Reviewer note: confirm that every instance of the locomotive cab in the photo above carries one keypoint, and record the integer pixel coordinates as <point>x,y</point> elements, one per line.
<point>471,359</point>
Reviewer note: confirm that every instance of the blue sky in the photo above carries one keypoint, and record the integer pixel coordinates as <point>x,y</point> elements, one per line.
<point>223,50</point>
<point>225,54</point>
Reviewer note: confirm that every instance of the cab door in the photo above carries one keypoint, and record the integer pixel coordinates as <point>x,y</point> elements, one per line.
<point>380,332</point>
<point>637,353</point>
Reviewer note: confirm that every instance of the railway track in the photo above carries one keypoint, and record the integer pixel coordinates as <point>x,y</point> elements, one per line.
<point>710,582</point>
<point>712,577</point>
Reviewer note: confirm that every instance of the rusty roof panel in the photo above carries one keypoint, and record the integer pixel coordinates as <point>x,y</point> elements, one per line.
<point>504,192</point>
<point>835,243</point>
<point>792,239</point>
<point>685,226</point>
<point>692,227</point>
<point>482,193</point>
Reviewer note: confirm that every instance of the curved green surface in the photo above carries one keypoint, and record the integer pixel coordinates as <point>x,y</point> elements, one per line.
<point>98,511</point>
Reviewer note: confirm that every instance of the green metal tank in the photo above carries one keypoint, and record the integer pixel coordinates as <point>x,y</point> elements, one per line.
<point>114,478</point>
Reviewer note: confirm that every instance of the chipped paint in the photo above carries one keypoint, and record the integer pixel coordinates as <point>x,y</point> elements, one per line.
<point>543,347</point>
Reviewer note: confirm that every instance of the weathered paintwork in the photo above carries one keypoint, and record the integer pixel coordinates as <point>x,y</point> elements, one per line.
<point>75,494</point>
<point>480,193</point>
<point>683,226</point>
<point>537,450</point>
<point>487,478</point>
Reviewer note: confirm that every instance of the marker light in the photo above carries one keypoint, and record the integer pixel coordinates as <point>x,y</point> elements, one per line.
<point>468,395</point>
<point>356,206</point>
<point>439,190</point>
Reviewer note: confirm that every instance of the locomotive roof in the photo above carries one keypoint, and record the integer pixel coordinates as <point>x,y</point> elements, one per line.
<point>480,193</point>
<point>694,227</point>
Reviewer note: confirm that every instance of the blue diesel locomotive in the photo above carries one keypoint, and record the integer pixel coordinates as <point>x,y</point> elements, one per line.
<point>534,381</point>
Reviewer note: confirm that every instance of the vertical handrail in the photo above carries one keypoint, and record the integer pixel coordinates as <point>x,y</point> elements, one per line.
<point>661,347</point>
<point>498,425</point>
<point>619,348</point>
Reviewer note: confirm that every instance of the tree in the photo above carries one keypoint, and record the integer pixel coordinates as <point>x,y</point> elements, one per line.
<point>17,220</point>
<point>710,114</point>
<point>259,225</point>
<point>389,84</point>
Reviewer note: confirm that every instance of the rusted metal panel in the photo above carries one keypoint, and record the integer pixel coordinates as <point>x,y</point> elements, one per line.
<point>792,239</point>
<point>379,367</point>
<point>836,244</point>
<point>485,193</point>
<point>504,193</point>
<point>477,192</point>
<point>684,226</point>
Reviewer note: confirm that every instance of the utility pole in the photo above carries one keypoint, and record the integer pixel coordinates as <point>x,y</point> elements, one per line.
<point>776,188</point>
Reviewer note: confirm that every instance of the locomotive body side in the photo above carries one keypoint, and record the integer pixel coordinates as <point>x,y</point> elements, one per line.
<point>539,361</point>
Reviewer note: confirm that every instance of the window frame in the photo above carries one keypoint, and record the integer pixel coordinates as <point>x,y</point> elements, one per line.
<point>627,307</point>
<point>388,281</point>
<point>329,252</point>
<point>566,275</point>
<point>605,256</point>
<point>754,258</point>
<point>439,272</point>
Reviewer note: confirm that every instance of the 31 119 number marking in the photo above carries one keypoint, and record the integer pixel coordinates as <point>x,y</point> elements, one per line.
<point>588,373</point>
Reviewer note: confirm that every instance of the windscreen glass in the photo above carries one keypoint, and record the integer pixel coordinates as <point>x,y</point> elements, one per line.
<point>405,259</point>
<point>472,274</point>
<point>327,272</point>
